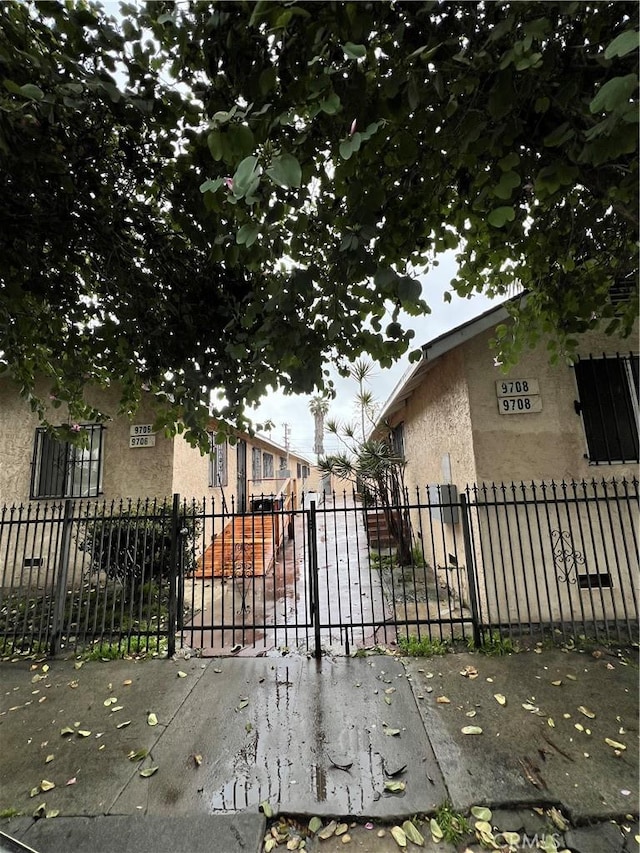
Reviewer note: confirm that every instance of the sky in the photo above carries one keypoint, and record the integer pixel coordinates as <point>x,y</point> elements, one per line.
<point>294,410</point>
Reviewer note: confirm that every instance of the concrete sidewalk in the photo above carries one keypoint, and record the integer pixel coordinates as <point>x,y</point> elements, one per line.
<point>313,739</point>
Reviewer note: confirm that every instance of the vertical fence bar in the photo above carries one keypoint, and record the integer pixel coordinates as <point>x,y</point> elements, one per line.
<point>313,577</point>
<point>63,570</point>
<point>172,627</point>
<point>471,570</point>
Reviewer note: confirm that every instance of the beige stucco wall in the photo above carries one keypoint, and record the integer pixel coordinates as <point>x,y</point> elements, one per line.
<point>540,445</point>
<point>127,472</point>
<point>438,448</point>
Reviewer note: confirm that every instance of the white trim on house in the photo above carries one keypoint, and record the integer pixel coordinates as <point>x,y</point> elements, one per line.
<point>432,351</point>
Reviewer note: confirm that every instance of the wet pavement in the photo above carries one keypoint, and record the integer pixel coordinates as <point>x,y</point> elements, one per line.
<point>311,739</point>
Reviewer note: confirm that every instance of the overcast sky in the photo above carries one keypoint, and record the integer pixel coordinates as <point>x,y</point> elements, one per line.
<point>294,410</point>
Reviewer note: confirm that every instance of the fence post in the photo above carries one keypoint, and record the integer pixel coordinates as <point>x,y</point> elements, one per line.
<point>63,573</point>
<point>174,571</point>
<point>470,561</point>
<point>313,577</point>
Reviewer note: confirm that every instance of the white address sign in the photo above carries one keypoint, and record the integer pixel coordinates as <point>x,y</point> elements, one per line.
<point>142,441</point>
<point>520,405</point>
<point>142,435</point>
<point>517,387</point>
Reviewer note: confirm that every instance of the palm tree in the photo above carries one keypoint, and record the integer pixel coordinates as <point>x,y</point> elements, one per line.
<point>319,406</point>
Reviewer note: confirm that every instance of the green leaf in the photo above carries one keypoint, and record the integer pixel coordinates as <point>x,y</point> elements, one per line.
<point>481,813</point>
<point>413,834</point>
<point>500,216</point>
<point>354,51</point>
<point>148,771</point>
<point>244,174</point>
<point>623,44</point>
<point>399,836</point>
<point>248,234</point>
<point>615,93</point>
<point>508,182</point>
<point>32,92</point>
<point>285,171</point>
<point>314,825</point>
<point>266,809</point>
<point>394,787</point>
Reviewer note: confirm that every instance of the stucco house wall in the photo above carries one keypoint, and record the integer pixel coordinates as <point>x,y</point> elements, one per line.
<point>449,408</point>
<point>127,472</point>
<point>546,445</point>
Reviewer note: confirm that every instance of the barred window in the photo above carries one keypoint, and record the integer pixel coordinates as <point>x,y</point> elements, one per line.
<point>608,403</point>
<point>267,465</point>
<point>218,468</point>
<point>64,470</point>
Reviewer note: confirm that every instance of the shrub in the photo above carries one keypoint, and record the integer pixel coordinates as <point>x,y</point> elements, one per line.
<point>134,546</point>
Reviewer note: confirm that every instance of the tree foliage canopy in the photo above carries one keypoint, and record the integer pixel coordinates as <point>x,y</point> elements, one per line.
<point>225,196</point>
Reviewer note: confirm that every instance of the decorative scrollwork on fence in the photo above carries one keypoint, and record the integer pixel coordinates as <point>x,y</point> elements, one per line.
<point>566,558</point>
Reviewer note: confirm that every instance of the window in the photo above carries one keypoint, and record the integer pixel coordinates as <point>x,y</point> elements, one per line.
<point>608,391</point>
<point>256,463</point>
<point>218,463</point>
<point>267,465</point>
<point>397,440</point>
<point>64,470</point>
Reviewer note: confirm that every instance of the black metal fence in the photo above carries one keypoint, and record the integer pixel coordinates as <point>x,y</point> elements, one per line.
<point>516,560</point>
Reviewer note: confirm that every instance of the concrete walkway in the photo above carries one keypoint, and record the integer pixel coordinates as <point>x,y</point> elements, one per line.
<point>314,739</point>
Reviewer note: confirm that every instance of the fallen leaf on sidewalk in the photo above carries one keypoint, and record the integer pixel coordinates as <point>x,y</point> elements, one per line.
<point>314,825</point>
<point>123,725</point>
<point>586,712</point>
<point>197,760</point>
<point>481,813</point>
<point>265,808</point>
<point>328,830</point>
<point>49,758</point>
<point>614,744</point>
<point>471,730</point>
<point>395,787</point>
<point>443,700</point>
<point>45,785</point>
<point>148,771</point>
<point>152,720</point>
<point>413,833</point>
<point>399,836</point>
<point>182,674</point>
<point>469,672</point>
<point>138,755</point>
<point>500,698</point>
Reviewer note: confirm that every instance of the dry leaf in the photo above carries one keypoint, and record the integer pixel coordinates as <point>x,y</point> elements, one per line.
<point>399,836</point>
<point>586,712</point>
<point>45,785</point>
<point>394,787</point>
<point>392,732</point>
<point>148,771</point>
<point>152,720</point>
<point>182,674</point>
<point>500,698</point>
<point>127,682</point>
<point>49,758</point>
<point>471,730</point>
<point>614,743</point>
<point>328,830</point>
<point>341,828</point>
<point>557,683</point>
<point>123,725</point>
<point>412,833</point>
<point>443,700</point>
<point>197,760</point>
<point>84,733</point>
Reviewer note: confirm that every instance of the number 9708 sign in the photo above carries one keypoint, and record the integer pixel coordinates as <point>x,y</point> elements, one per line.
<point>518,396</point>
